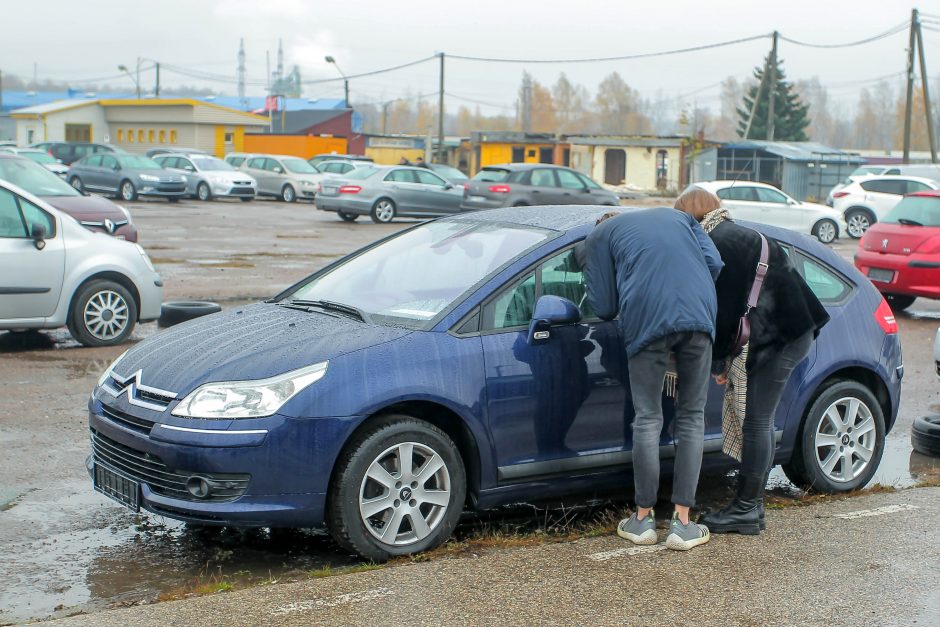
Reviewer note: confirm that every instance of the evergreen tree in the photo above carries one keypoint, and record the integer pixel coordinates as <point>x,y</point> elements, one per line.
<point>790,114</point>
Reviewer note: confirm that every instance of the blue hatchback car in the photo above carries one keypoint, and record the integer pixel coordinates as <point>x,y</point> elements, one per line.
<point>453,365</point>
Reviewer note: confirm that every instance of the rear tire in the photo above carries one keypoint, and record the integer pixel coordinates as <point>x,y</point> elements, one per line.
<point>77,183</point>
<point>174,312</point>
<point>102,313</point>
<point>858,221</point>
<point>899,302</point>
<point>415,505</point>
<point>347,217</point>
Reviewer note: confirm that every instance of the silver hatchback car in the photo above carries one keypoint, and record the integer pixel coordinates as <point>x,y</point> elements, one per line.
<point>282,176</point>
<point>54,273</point>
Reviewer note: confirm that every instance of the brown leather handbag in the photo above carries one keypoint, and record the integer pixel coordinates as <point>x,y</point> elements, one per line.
<point>744,324</point>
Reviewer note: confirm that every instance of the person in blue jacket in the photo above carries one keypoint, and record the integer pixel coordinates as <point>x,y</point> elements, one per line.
<point>656,269</point>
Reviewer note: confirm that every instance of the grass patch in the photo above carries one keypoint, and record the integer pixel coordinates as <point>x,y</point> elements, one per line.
<point>329,571</point>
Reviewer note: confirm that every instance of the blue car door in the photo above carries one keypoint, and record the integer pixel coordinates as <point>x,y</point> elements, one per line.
<point>558,400</point>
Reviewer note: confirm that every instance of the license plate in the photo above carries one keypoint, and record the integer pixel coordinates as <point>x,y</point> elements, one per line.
<point>330,190</point>
<point>118,487</point>
<point>882,276</point>
<point>477,199</point>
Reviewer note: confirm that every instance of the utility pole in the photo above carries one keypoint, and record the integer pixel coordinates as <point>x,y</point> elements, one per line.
<point>346,92</point>
<point>526,103</point>
<point>772,90</point>
<point>755,101</point>
<point>241,75</point>
<point>156,90</point>
<point>923,81</point>
<point>440,116</point>
<point>908,108</point>
<point>385,106</point>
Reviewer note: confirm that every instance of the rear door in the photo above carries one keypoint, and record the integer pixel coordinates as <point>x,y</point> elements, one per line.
<point>255,167</point>
<point>30,279</point>
<point>409,197</point>
<point>110,175</point>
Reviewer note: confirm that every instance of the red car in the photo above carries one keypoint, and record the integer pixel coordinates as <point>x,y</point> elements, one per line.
<point>901,253</point>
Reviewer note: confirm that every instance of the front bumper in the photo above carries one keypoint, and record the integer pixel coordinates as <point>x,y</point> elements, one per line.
<point>911,275</point>
<point>164,190</point>
<point>288,462</point>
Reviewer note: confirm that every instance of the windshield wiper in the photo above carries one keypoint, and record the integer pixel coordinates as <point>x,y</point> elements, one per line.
<point>907,222</point>
<point>328,305</point>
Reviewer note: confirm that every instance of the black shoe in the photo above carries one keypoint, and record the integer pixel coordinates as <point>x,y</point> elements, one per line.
<point>743,514</point>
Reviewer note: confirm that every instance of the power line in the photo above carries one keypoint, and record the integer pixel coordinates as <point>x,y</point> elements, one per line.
<point>626,57</point>
<point>894,30</point>
<point>372,73</point>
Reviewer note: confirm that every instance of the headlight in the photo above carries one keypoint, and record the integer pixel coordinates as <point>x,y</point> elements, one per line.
<point>149,177</point>
<point>143,253</point>
<point>184,178</point>
<point>308,183</point>
<point>107,373</point>
<point>248,399</point>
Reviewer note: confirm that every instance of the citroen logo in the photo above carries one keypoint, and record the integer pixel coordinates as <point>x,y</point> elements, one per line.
<point>131,386</point>
<point>884,243</point>
<point>109,225</point>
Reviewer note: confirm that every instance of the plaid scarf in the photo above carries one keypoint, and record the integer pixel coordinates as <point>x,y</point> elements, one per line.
<point>734,404</point>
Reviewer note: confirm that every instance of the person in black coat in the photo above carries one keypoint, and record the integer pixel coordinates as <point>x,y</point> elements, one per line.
<point>784,324</point>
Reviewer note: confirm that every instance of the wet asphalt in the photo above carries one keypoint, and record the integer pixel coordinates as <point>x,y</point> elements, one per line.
<point>66,549</point>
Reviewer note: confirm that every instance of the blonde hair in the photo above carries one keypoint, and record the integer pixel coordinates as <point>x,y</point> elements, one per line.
<point>697,202</point>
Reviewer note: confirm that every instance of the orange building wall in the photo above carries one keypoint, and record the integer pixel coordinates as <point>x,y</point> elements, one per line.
<point>303,146</point>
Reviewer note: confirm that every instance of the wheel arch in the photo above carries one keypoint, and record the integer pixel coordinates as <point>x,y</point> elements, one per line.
<point>868,210</point>
<point>109,275</point>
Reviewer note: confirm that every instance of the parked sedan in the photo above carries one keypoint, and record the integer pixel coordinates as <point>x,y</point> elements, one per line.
<point>55,273</point>
<point>126,176</point>
<point>282,176</point>
<point>70,152</point>
<point>340,167</point>
<point>384,193</point>
<point>443,368</point>
<point>901,253</point>
<point>93,212</point>
<point>759,202</point>
<point>208,177</point>
<point>39,156</point>
<point>867,200</point>
<point>521,184</point>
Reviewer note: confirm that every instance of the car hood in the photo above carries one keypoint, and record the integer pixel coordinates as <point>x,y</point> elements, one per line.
<point>227,175</point>
<point>161,172</point>
<point>87,207</point>
<point>245,343</point>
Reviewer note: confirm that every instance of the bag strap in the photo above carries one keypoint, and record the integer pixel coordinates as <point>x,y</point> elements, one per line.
<point>759,275</point>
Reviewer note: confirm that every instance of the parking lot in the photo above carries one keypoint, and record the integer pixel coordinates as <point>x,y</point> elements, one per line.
<point>66,548</point>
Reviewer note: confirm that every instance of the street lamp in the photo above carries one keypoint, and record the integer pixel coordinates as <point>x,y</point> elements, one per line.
<point>330,59</point>
<point>124,69</point>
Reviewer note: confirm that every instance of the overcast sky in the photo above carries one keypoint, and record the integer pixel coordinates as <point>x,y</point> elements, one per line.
<point>80,39</point>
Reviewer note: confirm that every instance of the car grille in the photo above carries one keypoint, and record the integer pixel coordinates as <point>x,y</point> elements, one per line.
<point>133,422</point>
<point>171,187</point>
<point>151,470</point>
<point>245,183</point>
<point>247,191</point>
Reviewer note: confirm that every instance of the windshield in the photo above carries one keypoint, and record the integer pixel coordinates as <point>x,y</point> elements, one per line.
<point>34,178</point>
<point>38,157</point>
<point>211,163</point>
<point>299,166</point>
<point>138,161</point>
<point>491,175</point>
<point>410,279</point>
<point>449,173</point>
<point>923,210</point>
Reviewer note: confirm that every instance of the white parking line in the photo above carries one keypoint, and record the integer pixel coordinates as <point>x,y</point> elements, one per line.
<point>630,550</point>
<point>878,511</point>
<point>341,599</point>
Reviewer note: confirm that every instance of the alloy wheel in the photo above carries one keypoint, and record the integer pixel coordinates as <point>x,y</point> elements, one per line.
<point>826,232</point>
<point>105,315</point>
<point>845,439</point>
<point>127,191</point>
<point>405,493</point>
<point>858,223</point>
<point>384,211</point>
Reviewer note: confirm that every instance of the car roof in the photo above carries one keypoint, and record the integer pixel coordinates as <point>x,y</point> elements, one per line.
<point>899,177</point>
<point>522,166</point>
<point>552,217</point>
<point>713,185</point>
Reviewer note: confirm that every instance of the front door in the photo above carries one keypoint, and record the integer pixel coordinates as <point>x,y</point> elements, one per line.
<point>30,279</point>
<point>573,189</point>
<point>777,210</point>
<point>255,168</point>
<point>439,196</point>
<point>544,187</point>
<point>615,166</point>
<point>558,400</point>
<point>742,203</point>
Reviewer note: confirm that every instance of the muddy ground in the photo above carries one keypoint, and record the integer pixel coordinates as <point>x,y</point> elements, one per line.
<point>64,548</point>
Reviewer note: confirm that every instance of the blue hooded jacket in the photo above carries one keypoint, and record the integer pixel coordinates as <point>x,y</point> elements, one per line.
<point>657,269</point>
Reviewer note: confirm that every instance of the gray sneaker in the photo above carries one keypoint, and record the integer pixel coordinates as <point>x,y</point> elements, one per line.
<point>684,537</point>
<point>639,531</point>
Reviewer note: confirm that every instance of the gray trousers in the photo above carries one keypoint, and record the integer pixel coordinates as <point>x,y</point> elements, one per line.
<point>693,353</point>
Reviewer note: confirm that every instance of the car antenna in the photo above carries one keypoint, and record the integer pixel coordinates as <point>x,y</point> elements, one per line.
<point>746,166</point>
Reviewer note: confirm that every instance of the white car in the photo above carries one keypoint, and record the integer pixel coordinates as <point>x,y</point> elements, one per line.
<point>759,202</point>
<point>208,177</point>
<point>868,200</point>
<point>39,156</point>
<point>55,273</point>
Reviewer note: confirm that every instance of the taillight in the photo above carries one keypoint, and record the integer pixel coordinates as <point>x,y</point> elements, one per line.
<point>885,318</point>
<point>349,189</point>
<point>466,187</point>
<point>499,189</point>
<point>840,194</point>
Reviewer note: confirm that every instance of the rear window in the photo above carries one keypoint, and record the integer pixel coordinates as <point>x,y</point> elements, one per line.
<point>825,284</point>
<point>914,211</point>
<point>895,186</point>
<point>492,175</point>
<point>362,173</point>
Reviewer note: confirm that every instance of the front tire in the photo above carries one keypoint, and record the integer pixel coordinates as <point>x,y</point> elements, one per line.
<point>383,211</point>
<point>288,194</point>
<point>826,231</point>
<point>127,191</point>
<point>841,441</point>
<point>899,302</point>
<point>399,488</point>
<point>858,221</point>
<point>347,217</point>
<point>76,183</point>
<point>203,192</point>
<point>103,313</point>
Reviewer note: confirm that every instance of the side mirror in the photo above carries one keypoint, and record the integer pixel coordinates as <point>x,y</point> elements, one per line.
<point>448,186</point>
<point>38,233</point>
<point>190,168</point>
<point>116,167</point>
<point>551,311</point>
<point>278,170</point>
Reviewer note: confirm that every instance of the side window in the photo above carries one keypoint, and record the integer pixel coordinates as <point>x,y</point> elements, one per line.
<point>589,183</point>
<point>512,308</point>
<point>236,161</point>
<point>770,195</point>
<point>542,178</point>
<point>884,187</point>
<point>569,180</point>
<point>916,186</point>
<point>166,162</point>
<point>826,285</point>
<point>35,215</point>
<point>400,176</point>
<point>333,168</point>
<point>429,178</point>
<point>93,161</point>
<point>892,171</point>
<point>562,276</point>
<point>271,164</point>
<point>344,168</point>
<point>11,223</point>
<point>737,193</point>
<point>184,164</point>
<point>107,162</point>
<point>256,163</point>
